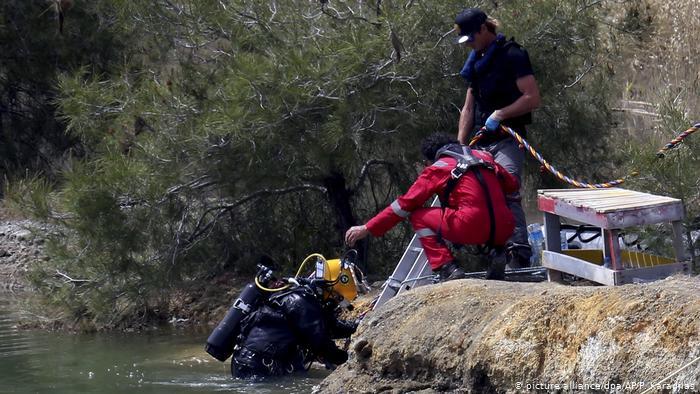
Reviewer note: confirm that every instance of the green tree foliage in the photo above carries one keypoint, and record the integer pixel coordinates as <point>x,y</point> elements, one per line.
<point>35,50</point>
<point>238,127</point>
<point>675,173</point>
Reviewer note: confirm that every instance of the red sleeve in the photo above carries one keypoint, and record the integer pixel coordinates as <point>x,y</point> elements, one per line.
<point>422,189</point>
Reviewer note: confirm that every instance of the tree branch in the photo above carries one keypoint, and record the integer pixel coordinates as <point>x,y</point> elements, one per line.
<point>71,280</point>
<point>580,77</point>
<point>195,184</point>
<point>365,170</point>
<point>339,16</point>
<point>199,230</point>
<point>270,192</point>
<point>442,37</point>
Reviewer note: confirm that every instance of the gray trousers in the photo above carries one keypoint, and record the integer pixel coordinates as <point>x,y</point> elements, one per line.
<point>507,153</point>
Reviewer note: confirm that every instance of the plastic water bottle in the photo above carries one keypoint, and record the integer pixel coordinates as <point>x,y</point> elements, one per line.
<point>536,239</point>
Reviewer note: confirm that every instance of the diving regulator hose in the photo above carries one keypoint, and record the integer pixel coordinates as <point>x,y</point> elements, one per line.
<point>291,280</point>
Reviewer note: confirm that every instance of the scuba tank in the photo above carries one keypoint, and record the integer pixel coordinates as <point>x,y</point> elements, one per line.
<point>221,341</point>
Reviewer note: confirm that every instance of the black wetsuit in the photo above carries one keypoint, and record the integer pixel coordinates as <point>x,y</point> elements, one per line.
<point>286,333</point>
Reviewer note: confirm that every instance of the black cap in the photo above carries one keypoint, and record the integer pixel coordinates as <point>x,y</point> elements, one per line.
<point>468,22</point>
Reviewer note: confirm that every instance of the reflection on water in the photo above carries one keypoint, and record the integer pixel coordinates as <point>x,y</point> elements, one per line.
<point>162,361</point>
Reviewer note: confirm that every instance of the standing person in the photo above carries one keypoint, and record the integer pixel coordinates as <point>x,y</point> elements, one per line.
<point>473,206</point>
<point>502,90</point>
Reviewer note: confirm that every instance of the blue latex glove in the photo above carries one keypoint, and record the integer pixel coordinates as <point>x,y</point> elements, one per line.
<point>492,123</point>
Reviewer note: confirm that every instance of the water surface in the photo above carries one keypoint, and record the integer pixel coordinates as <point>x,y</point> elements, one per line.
<point>169,360</point>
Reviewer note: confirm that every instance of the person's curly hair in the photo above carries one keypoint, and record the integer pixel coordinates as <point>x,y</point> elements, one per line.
<point>432,143</point>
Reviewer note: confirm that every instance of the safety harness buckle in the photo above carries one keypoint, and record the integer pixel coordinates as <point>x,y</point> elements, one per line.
<point>459,169</point>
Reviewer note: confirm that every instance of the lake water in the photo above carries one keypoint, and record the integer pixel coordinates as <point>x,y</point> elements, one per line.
<point>168,360</point>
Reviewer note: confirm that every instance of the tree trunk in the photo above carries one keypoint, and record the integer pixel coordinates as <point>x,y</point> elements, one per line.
<point>339,196</point>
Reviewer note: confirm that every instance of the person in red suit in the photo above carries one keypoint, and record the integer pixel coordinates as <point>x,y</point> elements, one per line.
<point>473,205</point>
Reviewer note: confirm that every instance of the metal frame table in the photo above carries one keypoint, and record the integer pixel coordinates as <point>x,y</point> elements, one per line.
<point>612,210</point>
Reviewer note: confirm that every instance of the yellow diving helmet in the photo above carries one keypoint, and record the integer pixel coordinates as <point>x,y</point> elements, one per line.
<point>344,277</point>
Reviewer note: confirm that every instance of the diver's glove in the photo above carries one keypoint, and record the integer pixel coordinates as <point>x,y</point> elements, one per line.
<point>339,329</point>
<point>334,356</point>
<point>345,328</point>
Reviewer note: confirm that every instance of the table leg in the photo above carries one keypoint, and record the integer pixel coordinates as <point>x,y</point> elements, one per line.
<point>612,248</point>
<point>678,241</point>
<point>552,227</point>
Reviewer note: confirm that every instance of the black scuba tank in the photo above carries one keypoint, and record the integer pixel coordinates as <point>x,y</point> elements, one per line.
<point>221,341</point>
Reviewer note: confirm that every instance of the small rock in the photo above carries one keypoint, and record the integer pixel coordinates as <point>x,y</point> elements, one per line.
<point>363,349</point>
<point>23,235</point>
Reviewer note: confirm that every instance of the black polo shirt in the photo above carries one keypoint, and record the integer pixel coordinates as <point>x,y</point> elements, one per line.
<point>495,87</point>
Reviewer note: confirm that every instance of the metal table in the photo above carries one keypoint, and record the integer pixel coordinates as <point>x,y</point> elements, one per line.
<point>612,210</point>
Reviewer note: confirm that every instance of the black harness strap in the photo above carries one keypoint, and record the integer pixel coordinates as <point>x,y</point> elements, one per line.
<point>465,162</point>
<point>489,203</point>
<point>451,184</point>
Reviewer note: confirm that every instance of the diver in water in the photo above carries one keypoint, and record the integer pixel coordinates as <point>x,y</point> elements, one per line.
<point>288,325</point>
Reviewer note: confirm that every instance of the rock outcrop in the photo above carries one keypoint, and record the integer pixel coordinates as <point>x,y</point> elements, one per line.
<point>21,243</point>
<point>489,336</point>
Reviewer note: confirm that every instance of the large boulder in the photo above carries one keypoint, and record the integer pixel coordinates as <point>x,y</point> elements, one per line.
<point>490,336</point>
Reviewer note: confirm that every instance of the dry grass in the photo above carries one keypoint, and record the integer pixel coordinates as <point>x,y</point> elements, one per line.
<point>660,63</point>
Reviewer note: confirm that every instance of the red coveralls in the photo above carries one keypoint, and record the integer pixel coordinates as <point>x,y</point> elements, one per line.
<point>465,220</point>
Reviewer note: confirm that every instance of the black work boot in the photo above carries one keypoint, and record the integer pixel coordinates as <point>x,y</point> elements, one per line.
<point>497,264</point>
<point>518,255</point>
<point>450,271</point>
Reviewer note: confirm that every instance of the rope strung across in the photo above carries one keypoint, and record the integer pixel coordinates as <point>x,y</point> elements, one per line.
<point>674,142</point>
<point>546,164</point>
<point>660,154</point>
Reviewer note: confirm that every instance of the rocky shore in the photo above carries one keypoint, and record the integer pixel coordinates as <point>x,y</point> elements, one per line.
<point>505,337</point>
<point>21,243</point>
